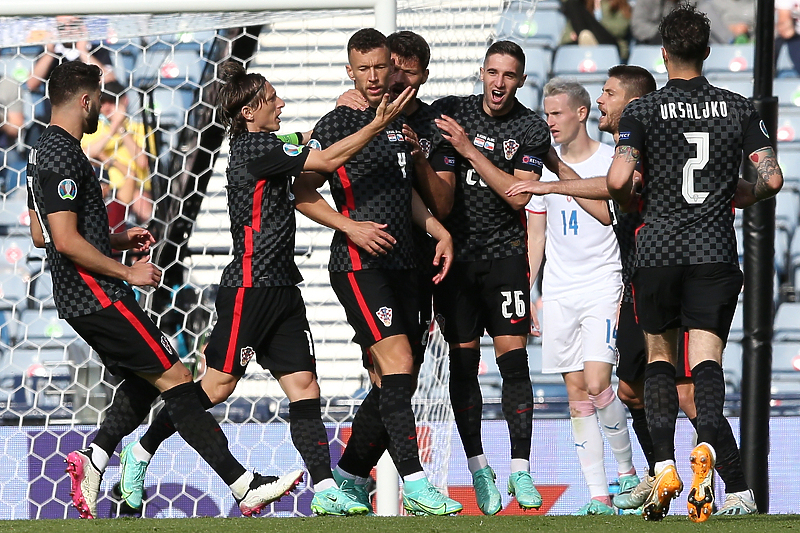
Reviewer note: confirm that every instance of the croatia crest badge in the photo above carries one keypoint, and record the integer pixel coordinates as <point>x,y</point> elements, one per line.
<point>510,147</point>
<point>385,315</point>
<point>246,354</point>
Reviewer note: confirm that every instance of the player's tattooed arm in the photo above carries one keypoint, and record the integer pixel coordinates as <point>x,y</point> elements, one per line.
<point>770,178</point>
<point>620,176</point>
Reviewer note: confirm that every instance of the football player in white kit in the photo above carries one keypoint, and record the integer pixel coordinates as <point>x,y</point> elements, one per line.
<point>581,291</point>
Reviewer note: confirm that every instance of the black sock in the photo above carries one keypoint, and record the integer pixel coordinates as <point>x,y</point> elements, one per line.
<point>310,438</point>
<point>398,418</point>
<point>729,464</point>
<point>131,405</point>
<point>661,404</point>
<point>465,396</point>
<point>162,427</point>
<point>517,401</point>
<point>709,399</point>
<point>368,437</point>
<point>199,429</point>
<point>639,423</point>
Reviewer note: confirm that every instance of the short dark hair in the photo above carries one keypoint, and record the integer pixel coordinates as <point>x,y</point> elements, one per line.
<point>636,81</point>
<point>410,45</point>
<point>112,91</point>
<point>507,48</point>
<point>685,32</point>
<point>71,78</point>
<point>365,40</point>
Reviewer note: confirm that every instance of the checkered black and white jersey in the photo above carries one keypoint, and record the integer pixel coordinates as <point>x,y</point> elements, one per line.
<point>691,136</point>
<point>375,185</point>
<point>60,178</point>
<point>483,225</point>
<point>260,171</point>
<point>625,225</point>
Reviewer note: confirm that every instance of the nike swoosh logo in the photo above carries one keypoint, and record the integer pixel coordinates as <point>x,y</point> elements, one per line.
<point>518,320</point>
<point>322,443</point>
<point>426,507</point>
<point>520,411</point>
<point>412,437</point>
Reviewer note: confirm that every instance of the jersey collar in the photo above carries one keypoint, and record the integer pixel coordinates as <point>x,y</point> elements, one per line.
<point>688,85</point>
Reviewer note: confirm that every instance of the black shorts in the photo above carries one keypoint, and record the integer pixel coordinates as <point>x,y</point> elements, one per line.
<point>491,295</point>
<point>265,323</point>
<point>379,304</point>
<point>126,339</point>
<point>693,296</point>
<point>631,350</point>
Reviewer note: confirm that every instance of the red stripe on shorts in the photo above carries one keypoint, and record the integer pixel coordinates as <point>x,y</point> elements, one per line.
<point>687,369</point>
<point>95,287</point>
<point>151,342</point>
<point>230,354</point>
<point>247,259</point>
<point>362,304</point>
<point>350,203</point>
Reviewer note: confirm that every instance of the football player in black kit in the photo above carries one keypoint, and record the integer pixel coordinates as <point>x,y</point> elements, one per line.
<point>689,138</point>
<point>410,55</point>
<point>260,308</point>
<point>373,271</point>
<point>69,219</point>
<point>626,83</point>
<point>497,142</point>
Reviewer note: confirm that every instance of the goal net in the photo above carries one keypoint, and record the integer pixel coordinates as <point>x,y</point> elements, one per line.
<point>53,388</point>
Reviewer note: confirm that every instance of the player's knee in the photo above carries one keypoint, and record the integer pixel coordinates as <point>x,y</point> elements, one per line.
<point>628,397</point>
<point>514,364</point>
<point>464,363</point>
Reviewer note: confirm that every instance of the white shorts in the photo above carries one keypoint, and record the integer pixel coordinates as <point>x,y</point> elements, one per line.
<point>580,328</point>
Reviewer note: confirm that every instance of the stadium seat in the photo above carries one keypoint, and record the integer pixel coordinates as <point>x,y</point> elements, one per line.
<point>787,322</point>
<point>739,86</point>
<point>41,325</point>
<point>542,28</point>
<point>788,127</point>
<point>782,255</point>
<point>649,57</point>
<point>538,62</point>
<point>585,63</point>
<point>788,92</point>
<point>789,160</point>
<point>13,292</point>
<point>729,61</point>
<point>787,209</point>
<point>15,218</point>
<point>786,356</point>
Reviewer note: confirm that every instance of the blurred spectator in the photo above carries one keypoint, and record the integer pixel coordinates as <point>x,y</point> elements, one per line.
<point>12,119</point>
<point>118,150</point>
<point>591,22</point>
<point>787,29</point>
<point>731,20</point>
<point>69,49</point>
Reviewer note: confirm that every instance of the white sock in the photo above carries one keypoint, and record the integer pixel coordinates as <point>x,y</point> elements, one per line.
<point>99,457</point>
<point>661,465</point>
<point>520,465</point>
<point>615,427</point>
<point>589,446</point>
<point>344,473</point>
<point>746,495</point>
<point>140,454</point>
<point>476,463</point>
<point>240,487</point>
<point>416,476</point>
<point>325,484</point>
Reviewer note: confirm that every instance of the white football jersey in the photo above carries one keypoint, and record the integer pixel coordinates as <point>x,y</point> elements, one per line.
<point>582,254</point>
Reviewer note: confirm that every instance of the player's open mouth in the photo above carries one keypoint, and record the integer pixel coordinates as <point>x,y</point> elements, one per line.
<point>497,96</point>
<point>375,90</point>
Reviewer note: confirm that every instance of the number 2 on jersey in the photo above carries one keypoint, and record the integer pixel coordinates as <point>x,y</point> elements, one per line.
<point>700,139</point>
<point>572,223</point>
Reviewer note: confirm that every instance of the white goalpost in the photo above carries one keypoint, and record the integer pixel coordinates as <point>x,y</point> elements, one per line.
<point>53,389</point>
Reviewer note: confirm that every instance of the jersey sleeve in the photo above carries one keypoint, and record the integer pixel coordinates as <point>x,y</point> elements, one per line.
<point>60,192</point>
<point>283,158</point>
<point>529,156</point>
<point>756,136</point>
<point>443,158</point>
<point>631,129</point>
<point>536,205</point>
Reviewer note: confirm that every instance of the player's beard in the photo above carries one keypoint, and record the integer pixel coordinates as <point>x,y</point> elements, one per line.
<point>92,119</point>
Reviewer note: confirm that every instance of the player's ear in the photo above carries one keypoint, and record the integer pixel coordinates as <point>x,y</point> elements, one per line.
<point>425,76</point>
<point>482,71</point>
<point>708,51</point>
<point>247,113</point>
<point>350,72</point>
<point>522,81</point>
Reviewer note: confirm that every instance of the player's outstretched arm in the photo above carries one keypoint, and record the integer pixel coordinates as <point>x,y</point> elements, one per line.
<point>367,235</point>
<point>495,178</point>
<point>337,154</point>
<point>768,182</point>
<point>437,189</point>
<point>68,241</point>
<point>620,175</point>
<point>423,218</point>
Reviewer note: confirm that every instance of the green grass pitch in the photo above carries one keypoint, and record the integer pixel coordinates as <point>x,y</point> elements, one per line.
<point>459,524</point>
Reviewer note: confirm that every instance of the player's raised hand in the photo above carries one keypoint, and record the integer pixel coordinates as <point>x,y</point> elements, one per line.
<point>352,99</point>
<point>413,140</point>
<point>144,274</point>
<point>443,258</point>
<point>388,111</point>
<point>528,187</point>
<point>455,134</point>
<point>370,236</point>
